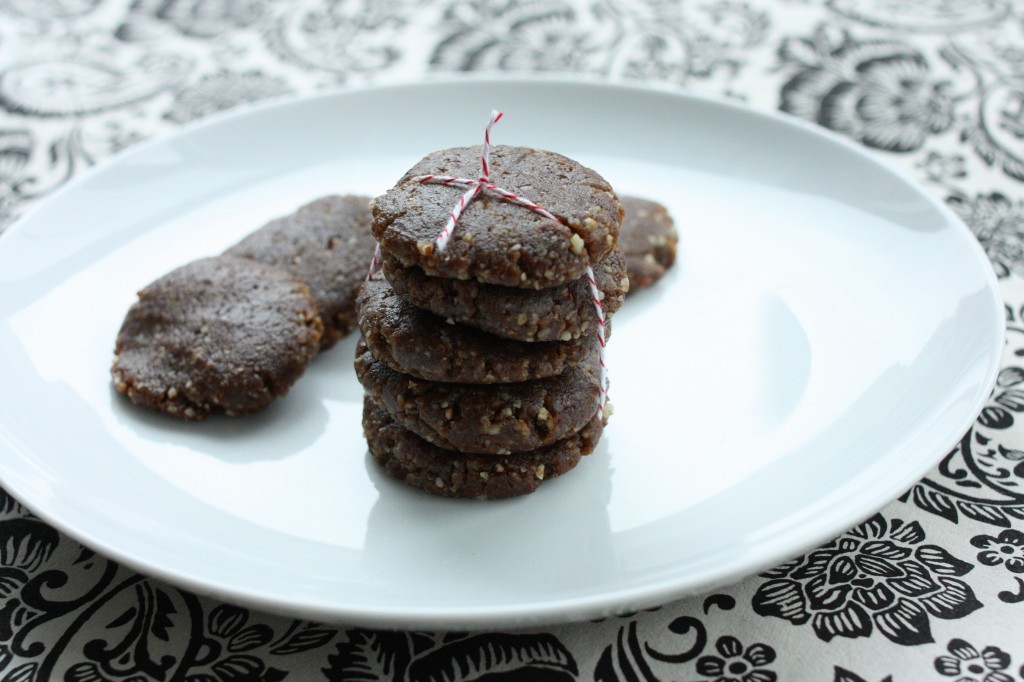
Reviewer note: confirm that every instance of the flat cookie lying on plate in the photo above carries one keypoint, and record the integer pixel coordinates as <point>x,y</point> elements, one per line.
<point>419,343</point>
<point>220,334</point>
<point>481,419</point>
<point>415,462</point>
<point>648,241</point>
<point>494,241</point>
<point>328,245</point>
<point>554,314</point>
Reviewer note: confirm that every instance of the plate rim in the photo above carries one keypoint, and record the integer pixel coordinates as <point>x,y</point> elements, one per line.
<point>564,610</point>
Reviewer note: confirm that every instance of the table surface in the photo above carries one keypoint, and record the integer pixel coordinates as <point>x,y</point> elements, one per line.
<point>930,588</point>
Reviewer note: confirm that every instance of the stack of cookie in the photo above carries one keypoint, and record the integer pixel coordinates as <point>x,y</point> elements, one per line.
<point>480,360</point>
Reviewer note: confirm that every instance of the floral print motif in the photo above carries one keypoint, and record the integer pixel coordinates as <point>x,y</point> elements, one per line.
<point>223,90</point>
<point>734,663</point>
<point>943,168</point>
<point>877,576</point>
<point>340,36</point>
<point>978,479</point>
<point>201,18</point>
<point>966,664</point>
<point>403,656</point>
<point>634,656</point>
<point>1007,549</point>
<point>50,9</point>
<point>87,84</point>
<point>840,674</point>
<point>1007,401</point>
<point>667,42</point>
<point>923,15</point>
<point>981,478</point>
<point>998,132</point>
<point>15,152</point>
<point>235,648</point>
<point>998,223</point>
<point>878,92</point>
<point>27,543</point>
<point>18,183</point>
<point>542,36</point>
<point>652,41</point>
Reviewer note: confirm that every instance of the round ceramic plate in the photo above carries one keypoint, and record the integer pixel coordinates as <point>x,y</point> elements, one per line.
<point>827,334</point>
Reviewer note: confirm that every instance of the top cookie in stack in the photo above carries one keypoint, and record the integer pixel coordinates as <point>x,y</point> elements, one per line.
<point>481,359</point>
<point>495,241</point>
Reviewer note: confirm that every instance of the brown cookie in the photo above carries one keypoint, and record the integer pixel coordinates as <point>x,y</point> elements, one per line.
<point>328,245</point>
<point>416,342</point>
<point>220,334</point>
<point>648,241</point>
<point>495,241</point>
<point>555,314</point>
<point>496,419</point>
<point>417,463</point>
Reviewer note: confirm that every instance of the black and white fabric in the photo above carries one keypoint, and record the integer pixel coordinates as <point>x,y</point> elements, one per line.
<point>930,588</point>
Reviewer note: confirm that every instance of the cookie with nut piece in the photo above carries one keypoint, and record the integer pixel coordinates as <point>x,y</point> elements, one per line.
<point>494,241</point>
<point>496,419</point>
<point>327,244</point>
<point>561,313</point>
<point>220,334</point>
<point>420,464</point>
<point>426,346</point>
<point>648,241</point>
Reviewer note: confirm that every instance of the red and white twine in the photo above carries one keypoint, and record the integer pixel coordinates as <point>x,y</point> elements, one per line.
<point>474,187</point>
<point>481,184</point>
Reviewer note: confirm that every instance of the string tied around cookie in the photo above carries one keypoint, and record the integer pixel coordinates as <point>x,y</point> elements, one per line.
<point>474,187</point>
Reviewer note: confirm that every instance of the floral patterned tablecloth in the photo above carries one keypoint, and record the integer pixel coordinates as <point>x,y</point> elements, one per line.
<point>930,588</point>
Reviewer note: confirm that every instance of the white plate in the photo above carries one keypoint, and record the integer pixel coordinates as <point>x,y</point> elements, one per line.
<point>826,336</point>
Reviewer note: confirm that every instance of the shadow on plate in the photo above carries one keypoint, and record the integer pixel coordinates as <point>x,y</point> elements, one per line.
<point>479,540</point>
<point>285,428</point>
